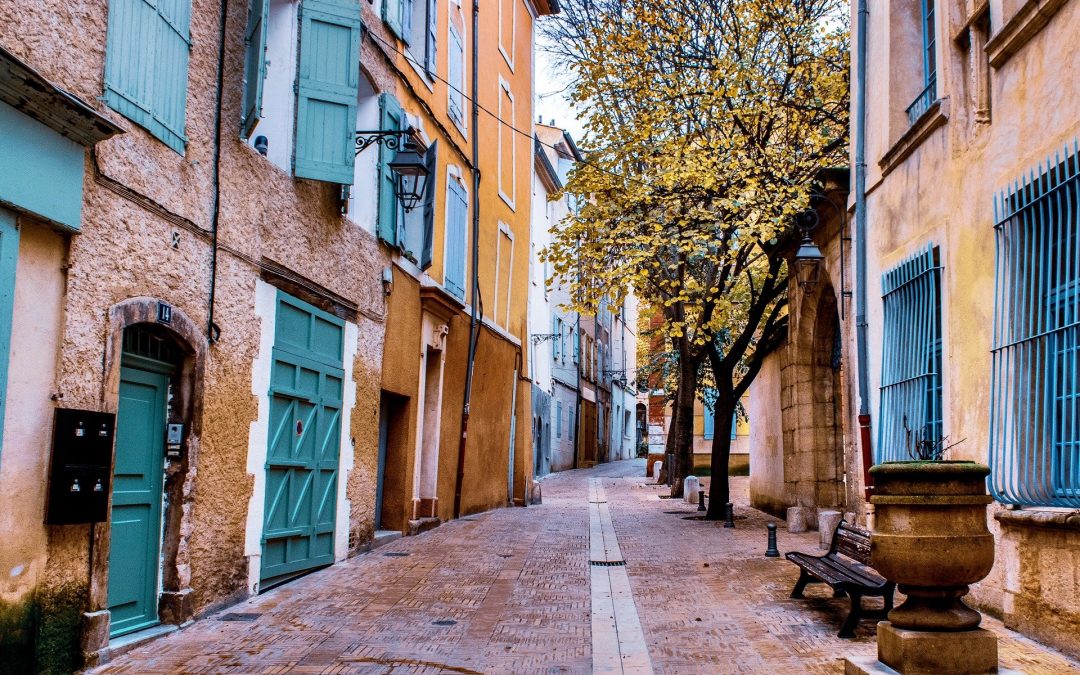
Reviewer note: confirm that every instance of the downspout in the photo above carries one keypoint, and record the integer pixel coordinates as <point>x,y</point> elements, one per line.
<point>860,245</point>
<point>474,321</point>
<point>212,330</point>
<point>577,418</point>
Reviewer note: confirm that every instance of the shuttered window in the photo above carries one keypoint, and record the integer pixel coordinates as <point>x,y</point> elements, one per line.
<point>391,119</point>
<point>457,215</point>
<point>431,162</point>
<point>556,337</point>
<point>709,428</point>
<point>456,79</point>
<point>431,43</point>
<point>327,85</point>
<point>146,65</point>
<point>1035,381</point>
<point>911,414</point>
<point>558,419</point>
<point>254,65</point>
<point>392,15</point>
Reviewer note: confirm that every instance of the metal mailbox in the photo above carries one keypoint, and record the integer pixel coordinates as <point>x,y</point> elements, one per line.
<point>81,467</point>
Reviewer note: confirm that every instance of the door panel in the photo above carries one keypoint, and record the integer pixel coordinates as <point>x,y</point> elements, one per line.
<point>306,392</point>
<point>135,541</point>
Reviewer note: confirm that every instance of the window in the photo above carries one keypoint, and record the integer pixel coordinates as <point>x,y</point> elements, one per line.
<point>457,217</point>
<point>558,419</point>
<point>577,345</point>
<point>973,40</point>
<point>911,411</point>
<point>414,22</point>
<point>455,91</point>
<point>1035,382</point>
<point>300,96</point>
<point>508,30</point>
<point>504,267</point>
<point>410,233</point>
<point>928,94</point>
<point>556,339</point>
<point>507,146</point>
<point>146,65</point>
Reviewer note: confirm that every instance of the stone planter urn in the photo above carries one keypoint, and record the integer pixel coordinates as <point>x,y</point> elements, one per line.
<point>930,537</point>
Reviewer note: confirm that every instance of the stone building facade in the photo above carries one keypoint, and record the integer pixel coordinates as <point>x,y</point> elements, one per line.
<point>192,262</point>
<point>972,182</point>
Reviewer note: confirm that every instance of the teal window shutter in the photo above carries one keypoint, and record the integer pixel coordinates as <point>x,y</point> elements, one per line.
<point>734,426</point>
<point>391,119</point>
<point>577,346</point>
<point>9,256</point>
<point>392,16</point>
<point>456,223</point>
<point>327,86</point>
<point>431,44</point>
<point>431,162</point>
<point>254,65</point>
<point>558,419</point>
<point>556,330</point>
<point>456,81</point>
<point>146,65</point>
<point>710,421</point>
<point>407,21</point>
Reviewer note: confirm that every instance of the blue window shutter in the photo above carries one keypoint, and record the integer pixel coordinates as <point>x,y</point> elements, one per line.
<point>734,426</point>
<point>9,255</point>
<point>431,161</point>
<point>431,43</point>
<point>327,86</point>
<point>456,223</point>
<point>577,345</point>
<point>391,119</point>
<point>455,68</point>
<point>146,65</point>
<point>710,421</point>
<point>254,65</point>
<point>407,20</point>
<point>392,16</point>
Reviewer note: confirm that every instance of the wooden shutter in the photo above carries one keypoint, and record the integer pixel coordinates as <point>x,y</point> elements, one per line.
<point>392,11</point>
<point>431,44</point>
<point>455,69</point>
<point>146,65</point>
<point>407,20</point>
<point>254,65</point>
<point>456,222</point>
<point>710,421</point>
<point>431,161</point>
<point>391,118</point>
<point>327,86</point>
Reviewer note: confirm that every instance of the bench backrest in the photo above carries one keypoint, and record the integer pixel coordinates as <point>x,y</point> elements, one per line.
<point>854,542</point>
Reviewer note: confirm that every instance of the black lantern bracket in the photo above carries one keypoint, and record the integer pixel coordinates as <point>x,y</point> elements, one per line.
<point>390,139</point>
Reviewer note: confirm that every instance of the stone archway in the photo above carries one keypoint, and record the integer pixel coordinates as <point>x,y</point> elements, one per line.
<point>813,425</point>
<point>176,602</point>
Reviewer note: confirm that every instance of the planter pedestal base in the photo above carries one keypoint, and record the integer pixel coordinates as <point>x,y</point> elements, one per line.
<point>911,652</point>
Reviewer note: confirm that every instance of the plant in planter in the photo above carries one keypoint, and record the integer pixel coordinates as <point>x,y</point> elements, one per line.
<point>930,537</point>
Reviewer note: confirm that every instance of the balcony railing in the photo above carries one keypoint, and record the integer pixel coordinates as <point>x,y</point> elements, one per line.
<point>922,102</point>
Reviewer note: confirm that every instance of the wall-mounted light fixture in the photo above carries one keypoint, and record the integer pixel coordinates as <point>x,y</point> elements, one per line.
<point>807,260</point>
<point>410,171</point>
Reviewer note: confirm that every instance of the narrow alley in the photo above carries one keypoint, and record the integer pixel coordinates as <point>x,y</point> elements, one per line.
<point>509,591</point>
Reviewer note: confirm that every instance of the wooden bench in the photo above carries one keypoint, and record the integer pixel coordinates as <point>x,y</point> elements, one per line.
<point>846,568</point>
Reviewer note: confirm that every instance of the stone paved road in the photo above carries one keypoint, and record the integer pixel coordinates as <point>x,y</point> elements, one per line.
<point>516,584</point>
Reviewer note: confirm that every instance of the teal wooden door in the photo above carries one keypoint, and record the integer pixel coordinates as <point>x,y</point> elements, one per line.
<point>135,542</point>
<point>306,387</point>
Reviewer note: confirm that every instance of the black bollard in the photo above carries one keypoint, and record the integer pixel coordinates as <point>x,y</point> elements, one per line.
<point>701,499</point>
<point>772,552</point>
<point>729,517</point>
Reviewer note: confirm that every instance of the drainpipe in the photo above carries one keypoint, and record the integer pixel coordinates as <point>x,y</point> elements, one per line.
<point>860,245</point>
<point>474,320</point>
<point>577,397</point>
<point>212,330</point>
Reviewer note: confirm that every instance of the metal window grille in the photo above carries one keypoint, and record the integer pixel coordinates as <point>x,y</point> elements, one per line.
<point>1035,395</point>
<point>911,411</point>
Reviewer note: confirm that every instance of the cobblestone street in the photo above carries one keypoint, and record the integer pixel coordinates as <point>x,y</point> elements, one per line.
<point>512,591</point>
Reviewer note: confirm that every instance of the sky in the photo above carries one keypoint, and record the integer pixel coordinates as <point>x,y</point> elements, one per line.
<point>551,103</point>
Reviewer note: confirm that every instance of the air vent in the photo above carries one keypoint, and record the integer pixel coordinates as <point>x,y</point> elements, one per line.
<point>607,563</point>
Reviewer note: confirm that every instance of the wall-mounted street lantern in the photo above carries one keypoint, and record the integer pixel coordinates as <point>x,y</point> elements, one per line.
<point>807,260</point>
<point>410,171</point>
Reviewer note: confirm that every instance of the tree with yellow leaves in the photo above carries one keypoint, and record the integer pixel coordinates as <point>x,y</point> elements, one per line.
<point>707,122</point>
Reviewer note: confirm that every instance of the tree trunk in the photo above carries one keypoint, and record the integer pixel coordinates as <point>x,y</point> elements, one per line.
<point>683,424</point>
<point>719,487</point>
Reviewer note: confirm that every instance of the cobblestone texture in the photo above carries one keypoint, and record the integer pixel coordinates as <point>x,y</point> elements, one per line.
<point>516,582</point>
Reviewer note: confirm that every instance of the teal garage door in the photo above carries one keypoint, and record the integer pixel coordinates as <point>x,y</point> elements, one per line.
<point>135,539</point>
<point>306,386</point>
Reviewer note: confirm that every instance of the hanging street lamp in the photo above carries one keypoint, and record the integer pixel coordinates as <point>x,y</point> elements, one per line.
<point>408,166</point>
<point>807,260</point>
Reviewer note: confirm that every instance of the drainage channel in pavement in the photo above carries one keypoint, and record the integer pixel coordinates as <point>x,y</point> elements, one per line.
<point>618,642</point>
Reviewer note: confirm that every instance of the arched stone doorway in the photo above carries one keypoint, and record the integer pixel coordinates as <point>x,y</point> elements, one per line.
<point>813,424</point>
<point>154,359</point>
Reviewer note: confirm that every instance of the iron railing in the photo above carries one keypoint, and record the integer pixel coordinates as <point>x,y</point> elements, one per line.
<point>911,411</point>
<point>922,102</point>
<point>1035,380</point>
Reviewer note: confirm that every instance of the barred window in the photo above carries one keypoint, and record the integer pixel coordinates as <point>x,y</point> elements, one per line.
<point>911,411</point>
<point>1035,405</point>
